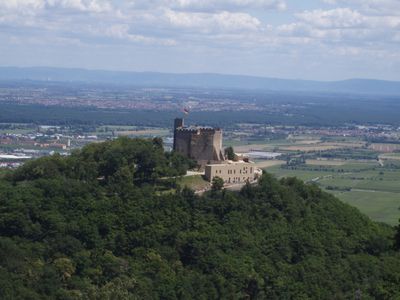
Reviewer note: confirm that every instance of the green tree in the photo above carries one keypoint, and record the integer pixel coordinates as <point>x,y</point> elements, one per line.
<point>217,184</point>
<point>230,153</point>
<point>92,226</point>
<point>397,237</point>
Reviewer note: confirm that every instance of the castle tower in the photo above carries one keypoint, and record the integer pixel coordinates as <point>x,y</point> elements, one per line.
<point>178,123</point>
<point>203,144</point>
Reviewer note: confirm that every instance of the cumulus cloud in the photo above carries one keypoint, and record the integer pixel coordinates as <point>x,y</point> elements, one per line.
<point>160,22</point>
<point>205,22</point>
<point>377,6</point>
<point>353,28</point>
<point>211,5</point>
<point>335,18</point>
<point>343,25</point>
<point>123,32</point>
<point>37,5</point>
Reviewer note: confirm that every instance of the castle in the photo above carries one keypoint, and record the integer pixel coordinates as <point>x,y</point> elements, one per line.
<point>203,144</point>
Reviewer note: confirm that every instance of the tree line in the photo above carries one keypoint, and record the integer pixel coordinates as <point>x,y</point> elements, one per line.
<point>92,226</point>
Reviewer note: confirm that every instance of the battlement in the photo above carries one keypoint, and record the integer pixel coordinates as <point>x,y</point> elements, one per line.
<point>198,130</point>
<point>187,129</point>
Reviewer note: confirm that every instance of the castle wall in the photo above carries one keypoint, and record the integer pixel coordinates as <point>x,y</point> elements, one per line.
<point>182,143</point>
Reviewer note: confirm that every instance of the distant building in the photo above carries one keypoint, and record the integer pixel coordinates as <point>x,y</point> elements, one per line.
<point>232,171</point>
<point>203,144</point>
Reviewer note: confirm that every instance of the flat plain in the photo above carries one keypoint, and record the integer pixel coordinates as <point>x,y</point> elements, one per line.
<point>362,175</point>
<point>373,189</point>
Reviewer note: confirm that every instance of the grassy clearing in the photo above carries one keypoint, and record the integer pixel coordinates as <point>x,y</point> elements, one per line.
<point>196,182</point>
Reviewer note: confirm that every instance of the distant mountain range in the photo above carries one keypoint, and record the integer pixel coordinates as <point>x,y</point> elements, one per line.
<point>201,80</point>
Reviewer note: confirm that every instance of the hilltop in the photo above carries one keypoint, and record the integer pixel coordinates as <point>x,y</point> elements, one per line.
<point>103,224</point>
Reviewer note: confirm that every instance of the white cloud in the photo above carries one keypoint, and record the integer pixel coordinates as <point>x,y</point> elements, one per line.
<point>17,4</point>
<point>381,7</point>
<point>335,18</point>
<point>96,6</point>
<point>123,33</point>
<point>360,29</point>
<point>205,22</point>
<point>210,5</point>
<point>343,25</point>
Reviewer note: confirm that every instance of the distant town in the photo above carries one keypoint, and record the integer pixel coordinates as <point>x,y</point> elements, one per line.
<point>19,142</point>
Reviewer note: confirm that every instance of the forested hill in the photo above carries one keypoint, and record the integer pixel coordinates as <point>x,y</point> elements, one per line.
<point>101,224</point>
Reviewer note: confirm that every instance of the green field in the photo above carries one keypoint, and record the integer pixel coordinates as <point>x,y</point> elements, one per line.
<point>379,206</point>
<point>16,131</point>
<point>194,182</point>
<point>3,172</point>
<point>373,189</point>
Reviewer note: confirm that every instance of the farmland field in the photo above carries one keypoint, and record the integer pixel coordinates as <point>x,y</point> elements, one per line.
<point>385,147</point>
<point>325,162</point>
<point>307,147</point>
<point>145,132</point>
<point>373,189</point>
<point>394,156</point>
<point>379,206</point>
<point>268,163</point>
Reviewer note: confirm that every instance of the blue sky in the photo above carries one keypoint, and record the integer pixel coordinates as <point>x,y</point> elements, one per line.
<point>316,39</point>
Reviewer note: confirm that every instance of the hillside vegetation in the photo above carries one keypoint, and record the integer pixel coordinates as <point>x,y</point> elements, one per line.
<point>93,226</point>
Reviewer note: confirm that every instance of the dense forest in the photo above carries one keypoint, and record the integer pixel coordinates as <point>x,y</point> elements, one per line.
<point>95,225</point>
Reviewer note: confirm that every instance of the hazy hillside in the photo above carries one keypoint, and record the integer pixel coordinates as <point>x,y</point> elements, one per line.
<point>100,224</point>
<point>199,80</point>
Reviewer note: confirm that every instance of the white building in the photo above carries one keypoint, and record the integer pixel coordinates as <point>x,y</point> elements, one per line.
<point>232,171</point>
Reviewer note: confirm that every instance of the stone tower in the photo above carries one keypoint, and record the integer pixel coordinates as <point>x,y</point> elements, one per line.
<point>203,144</point>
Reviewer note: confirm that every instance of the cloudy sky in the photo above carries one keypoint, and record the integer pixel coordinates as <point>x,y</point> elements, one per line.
<point>310,39</point>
